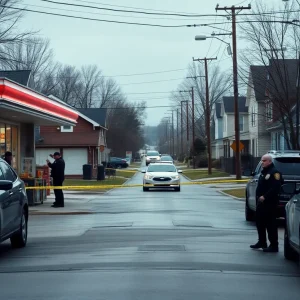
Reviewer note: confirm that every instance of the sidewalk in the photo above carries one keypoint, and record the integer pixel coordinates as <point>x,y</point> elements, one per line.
<point>76,203</point>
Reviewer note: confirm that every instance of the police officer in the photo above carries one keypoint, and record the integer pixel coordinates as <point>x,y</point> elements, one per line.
<point>267,197</point>
<point>58,175</point>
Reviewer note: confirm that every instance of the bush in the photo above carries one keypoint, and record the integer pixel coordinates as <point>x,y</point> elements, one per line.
<point>216,164</point>
<point>201,161</point>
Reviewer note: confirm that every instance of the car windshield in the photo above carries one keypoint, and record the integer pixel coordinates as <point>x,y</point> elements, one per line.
<point>152,153</point>
<point>288,165</point>
<point>166,158</point>
<point>161,168</point>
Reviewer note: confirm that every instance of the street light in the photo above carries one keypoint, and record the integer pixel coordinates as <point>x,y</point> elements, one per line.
<point>214,36</point>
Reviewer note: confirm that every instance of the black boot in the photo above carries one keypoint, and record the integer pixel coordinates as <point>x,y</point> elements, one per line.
<point>271,249</point>
<point>258,245</point>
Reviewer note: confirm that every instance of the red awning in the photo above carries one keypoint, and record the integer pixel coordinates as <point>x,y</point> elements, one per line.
<point>27,104</point>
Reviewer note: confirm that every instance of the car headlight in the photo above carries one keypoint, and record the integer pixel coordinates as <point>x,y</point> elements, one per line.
<point>158,158</point>
<point>175,177</point>
<point>148,177</point>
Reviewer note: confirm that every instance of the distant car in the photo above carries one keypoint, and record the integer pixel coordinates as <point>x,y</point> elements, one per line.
<point>152,157</point>
<point>117,163</point>
<point>288,163</point>
<point>13,207</point>
<point>292,223</point>
<point>161,175</point>
<point>166,159</point>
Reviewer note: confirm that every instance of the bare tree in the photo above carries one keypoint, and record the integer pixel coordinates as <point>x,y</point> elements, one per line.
<point>88,87</point>
<point>219,84</point>
<point>10,34</point>
<point>273,43</point>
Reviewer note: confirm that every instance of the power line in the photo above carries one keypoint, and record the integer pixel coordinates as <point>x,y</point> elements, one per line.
<point>92,2</point>
<point>148,73</point>
<point>152,81</point>
<point>131,11</point>
<point>111,15</point>
<point>97,20</point>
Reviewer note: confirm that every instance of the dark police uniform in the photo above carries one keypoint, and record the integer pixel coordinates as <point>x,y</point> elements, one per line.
<point>269,185</point>
<point>58,175</point>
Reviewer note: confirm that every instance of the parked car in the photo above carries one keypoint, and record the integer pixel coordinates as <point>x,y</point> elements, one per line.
<point>292,223</point>
<point>166,159</point>
<point>117,163</point>
<point>13,207</point>
<point>161,175</point>
<point>288,163</point>
<point>152,157</point>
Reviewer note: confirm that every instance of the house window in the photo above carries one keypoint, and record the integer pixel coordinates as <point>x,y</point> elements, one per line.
<point>253,117</point>
<point>66,128</point>
<point>241,120</point>
<point>269,111</point>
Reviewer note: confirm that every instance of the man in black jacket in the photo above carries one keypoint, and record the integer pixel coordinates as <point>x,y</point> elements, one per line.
<point>267,197</point>
<point>58,175</point>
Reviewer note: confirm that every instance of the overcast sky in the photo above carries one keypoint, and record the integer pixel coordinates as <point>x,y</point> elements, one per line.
<point>120,49</point>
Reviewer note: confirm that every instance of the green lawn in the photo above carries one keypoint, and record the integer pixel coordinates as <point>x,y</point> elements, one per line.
<point>201,174</point>
<point>135,165</point>
<point>94,183</point>
<point>239,193</point>
<point>125,173</point>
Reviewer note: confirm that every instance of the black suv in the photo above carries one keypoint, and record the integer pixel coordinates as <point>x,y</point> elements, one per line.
<point>288,163</point>
<point>13,207</point>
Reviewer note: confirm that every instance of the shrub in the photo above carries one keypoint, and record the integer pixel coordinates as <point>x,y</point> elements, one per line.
<point>216,164</point>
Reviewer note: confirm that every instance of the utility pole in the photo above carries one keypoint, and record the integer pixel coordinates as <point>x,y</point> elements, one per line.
<point>233,14</point>
<point>207,111</point>
<point>181,129</point>
<point>187,126</point>
<point>177,133</point>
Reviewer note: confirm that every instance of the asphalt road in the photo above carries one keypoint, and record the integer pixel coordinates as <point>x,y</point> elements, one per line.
<point>147,245</point>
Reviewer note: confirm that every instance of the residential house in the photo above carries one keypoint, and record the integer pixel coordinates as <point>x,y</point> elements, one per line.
<point>227,113</point>
<point>260,137</point>
<point>80,145</point>
<point>282,90</point>
<point>217,134</point>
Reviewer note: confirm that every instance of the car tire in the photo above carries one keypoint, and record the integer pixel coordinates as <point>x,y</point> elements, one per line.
<point>289,252</point>
<point>249,213</point>
<point>177,189</point>
<point>19,239</point>
<point>145,189</point>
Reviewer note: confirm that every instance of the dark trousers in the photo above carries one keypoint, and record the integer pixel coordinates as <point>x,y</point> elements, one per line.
<point>59,195</point>
<point>266,221</point>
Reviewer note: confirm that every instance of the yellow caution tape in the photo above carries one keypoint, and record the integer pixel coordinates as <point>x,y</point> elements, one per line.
<point>97,187</point>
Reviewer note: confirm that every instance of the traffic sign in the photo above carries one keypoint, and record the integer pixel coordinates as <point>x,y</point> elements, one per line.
<point>233,146</point>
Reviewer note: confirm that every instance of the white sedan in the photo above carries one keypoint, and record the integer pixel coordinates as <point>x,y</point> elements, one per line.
<point>161,175</point>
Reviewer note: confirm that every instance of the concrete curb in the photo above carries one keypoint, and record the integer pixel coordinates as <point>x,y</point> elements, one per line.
<point>236,198</point>
<point>59,213</point>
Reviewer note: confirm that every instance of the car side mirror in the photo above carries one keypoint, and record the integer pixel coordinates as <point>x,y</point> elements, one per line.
<point>248,173</point>
<point>179,171</point>
<point>6,185</point>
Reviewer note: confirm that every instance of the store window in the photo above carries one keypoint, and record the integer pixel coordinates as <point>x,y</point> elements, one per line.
<point>9,142</point>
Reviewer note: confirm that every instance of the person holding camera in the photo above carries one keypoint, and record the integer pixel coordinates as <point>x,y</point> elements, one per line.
<point>58,175</point>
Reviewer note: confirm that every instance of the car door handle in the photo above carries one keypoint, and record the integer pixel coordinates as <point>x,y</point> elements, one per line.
<point>295,200</point>
<point>11,193</point>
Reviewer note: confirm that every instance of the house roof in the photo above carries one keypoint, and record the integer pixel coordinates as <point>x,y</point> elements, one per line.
<point>20,76</point>
<point>283,78</point>
<point>229,104</point>
<point>259,80</point>
<point>97,115</point>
